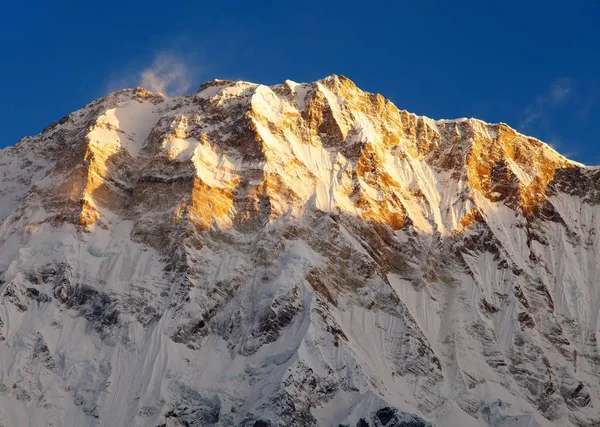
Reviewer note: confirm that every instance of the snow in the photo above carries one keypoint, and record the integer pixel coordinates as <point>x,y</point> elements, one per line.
<point>212,90</point>
<point>266,103</point>
<point>363,131</point>
<point>301,91</point>
<point>424,320</point>
<point>181,149</point>
<point>127,125</point>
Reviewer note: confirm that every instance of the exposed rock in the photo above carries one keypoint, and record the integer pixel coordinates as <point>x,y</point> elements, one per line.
<point>299,254</point>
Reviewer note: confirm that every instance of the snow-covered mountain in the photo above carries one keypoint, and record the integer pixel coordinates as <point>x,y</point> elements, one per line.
<point>294,255</point>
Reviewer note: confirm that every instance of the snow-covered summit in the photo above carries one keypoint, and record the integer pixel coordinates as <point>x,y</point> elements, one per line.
<point>304,254</point>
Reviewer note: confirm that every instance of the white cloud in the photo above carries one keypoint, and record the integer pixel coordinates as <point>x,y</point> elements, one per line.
<point>559,91</point>
<point>167,75</point>
<point>531,113</point>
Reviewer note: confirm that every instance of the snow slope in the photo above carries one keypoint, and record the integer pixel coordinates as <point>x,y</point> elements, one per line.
<point>299,254</point>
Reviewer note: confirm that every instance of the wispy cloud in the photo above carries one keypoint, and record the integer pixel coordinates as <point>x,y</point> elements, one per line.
<point>168,74</point>
<point>560,90</point>
<point>589,100</point>
<point>557,94</point>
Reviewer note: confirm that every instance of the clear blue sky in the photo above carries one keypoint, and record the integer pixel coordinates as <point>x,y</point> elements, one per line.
<point>532,64</point>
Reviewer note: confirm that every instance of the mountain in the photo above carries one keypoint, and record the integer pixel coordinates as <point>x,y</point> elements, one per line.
<point>299,254</point>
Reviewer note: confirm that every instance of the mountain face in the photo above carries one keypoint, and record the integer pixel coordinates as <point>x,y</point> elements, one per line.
<point>299,254</point>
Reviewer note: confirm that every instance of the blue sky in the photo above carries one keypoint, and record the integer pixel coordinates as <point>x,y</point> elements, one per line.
<point>532,64</point>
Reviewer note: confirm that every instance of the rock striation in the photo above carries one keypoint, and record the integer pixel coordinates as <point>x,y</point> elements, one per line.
<point>296,254</point>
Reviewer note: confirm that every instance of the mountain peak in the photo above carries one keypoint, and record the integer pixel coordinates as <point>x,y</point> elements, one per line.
<point>302,133</point>
<point>294,254</point>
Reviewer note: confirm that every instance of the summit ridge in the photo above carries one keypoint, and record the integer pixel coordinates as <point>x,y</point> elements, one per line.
<point>295,254</point>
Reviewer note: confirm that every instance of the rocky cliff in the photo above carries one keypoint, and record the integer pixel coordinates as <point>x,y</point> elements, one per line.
<point>299,254</point>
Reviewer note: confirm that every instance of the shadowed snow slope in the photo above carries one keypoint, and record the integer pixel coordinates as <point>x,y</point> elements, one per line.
<point>299,254</point>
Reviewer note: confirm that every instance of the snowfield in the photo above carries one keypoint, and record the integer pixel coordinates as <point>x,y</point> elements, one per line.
<point>299,254</point>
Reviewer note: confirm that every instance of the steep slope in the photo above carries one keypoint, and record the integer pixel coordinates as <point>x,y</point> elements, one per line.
<point>300,254</point>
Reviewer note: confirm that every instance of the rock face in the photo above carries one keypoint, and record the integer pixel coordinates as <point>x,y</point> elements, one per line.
<point>300,254</point>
